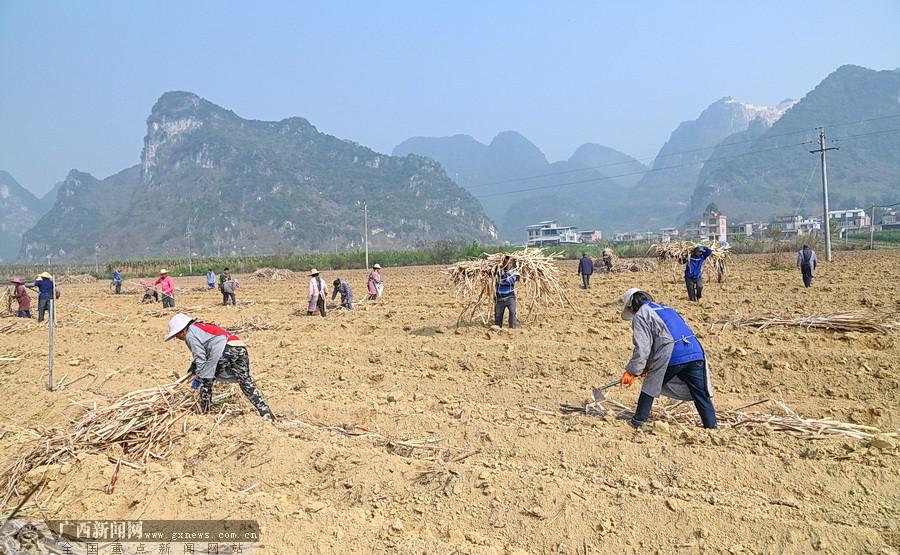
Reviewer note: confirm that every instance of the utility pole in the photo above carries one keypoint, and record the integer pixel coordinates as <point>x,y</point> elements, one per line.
<point>822,150</point>
<point>190,254</point>
<point>872,231</point>
<point>366,225</point>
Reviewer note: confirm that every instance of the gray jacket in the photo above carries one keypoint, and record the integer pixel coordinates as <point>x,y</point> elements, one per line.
<point>207,350</point>
<point>653,345</point>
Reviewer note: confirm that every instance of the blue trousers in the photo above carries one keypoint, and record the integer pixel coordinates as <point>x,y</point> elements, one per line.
<point>693,374</point>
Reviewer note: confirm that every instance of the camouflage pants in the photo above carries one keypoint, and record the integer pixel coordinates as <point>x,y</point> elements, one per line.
<point>235,362</point>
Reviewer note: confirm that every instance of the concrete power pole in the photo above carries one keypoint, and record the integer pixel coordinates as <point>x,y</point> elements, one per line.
<point>366,225</point>
<point>821,151</point>
<point>190,254</point>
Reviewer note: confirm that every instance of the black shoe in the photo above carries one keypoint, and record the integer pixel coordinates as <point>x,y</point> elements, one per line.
<point>635,424</point>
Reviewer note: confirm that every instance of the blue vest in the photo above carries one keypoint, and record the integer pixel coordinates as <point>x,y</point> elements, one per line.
<point>687,348</point>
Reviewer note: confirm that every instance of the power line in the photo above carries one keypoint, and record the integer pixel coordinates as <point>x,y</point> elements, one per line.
<point>689,151</point>
<point>651,170</point>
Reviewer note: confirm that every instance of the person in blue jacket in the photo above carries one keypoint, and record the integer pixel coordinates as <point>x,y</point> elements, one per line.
<point>43,284</point>
<point>506,292</point>
<point>669,357</point>
<point>693,271</point>
<point>117,280</point>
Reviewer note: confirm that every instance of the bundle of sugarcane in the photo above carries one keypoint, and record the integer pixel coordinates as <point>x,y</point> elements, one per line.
<point>633,265</point>
<point>684,413</point>
<point>136,427</point>
<point>476,281</point>
<point>674,253</point>
<point>859,320</point>
<point>251,324</point>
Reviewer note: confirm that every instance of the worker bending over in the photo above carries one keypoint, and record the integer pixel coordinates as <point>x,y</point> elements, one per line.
<point>218,355</point>
<point>668,355</point>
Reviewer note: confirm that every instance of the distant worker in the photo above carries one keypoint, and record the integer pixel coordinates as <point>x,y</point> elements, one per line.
<point>807,262</point>
<point>229,289</point>
<point>375,285</point>
<point>506,292</point>
<point>607,258</point>
<point>117,280</point>
<point>585,268</point>
<point>226,289</point>
<point>167,288</point>
<point>150,292</point>
<point>693,271</point>
<point>218,355</point>
<point>20,294</point>
<point>668,355</point>
<point>343,287</point>
<point>318,292</point>
<point>210,279</point>
<point>43,284</point>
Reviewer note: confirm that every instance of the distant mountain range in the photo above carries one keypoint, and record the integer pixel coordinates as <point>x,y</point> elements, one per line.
<point>752,161</point>
<point>243,186</point>
<point>495,174</point>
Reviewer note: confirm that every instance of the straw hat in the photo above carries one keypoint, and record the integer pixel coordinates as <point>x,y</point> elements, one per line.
<point>314,272</point>
<point>16,279</point>
<point>45,275</point>
<point>163,271</point>
<point>377,266</point>
<point>626,299</point>
<point>176,324</point>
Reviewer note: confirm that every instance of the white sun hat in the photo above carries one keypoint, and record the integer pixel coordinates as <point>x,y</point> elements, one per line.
<point>626,300</point>
<point>377,266</point>
<point>176,324</point>
<point>163,271</point>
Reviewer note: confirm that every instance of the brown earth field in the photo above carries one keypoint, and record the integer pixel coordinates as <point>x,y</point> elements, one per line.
<point>535,481</point>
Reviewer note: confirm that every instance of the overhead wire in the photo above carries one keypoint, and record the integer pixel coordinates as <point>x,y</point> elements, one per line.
<point>679,153</point>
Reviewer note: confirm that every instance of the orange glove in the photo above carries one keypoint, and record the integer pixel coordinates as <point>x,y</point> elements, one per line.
<point>627,379</point>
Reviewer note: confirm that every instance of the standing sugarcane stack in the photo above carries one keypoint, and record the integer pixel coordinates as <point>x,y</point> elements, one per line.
<point>476,281</point>
<point>674,253</point>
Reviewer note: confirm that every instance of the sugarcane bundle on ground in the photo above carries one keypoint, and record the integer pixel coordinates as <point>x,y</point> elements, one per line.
<point>476,282</point>
<point>674,253</point>
<point>251,324</point>
<point>786,420</point>
<point>858,321</point>
<point>138,426</point>
<point>273,274</point>
<point>633,265</point>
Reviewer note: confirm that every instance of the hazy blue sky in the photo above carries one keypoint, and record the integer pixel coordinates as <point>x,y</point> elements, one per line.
<point>78,79</point>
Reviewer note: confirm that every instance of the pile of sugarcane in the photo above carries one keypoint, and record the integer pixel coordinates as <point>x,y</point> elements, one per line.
<point>859,321</point>
<point>633,265</point>
<point>684,413</point>
<point>138,426</point>
<point>675,253</point>
<point>476,282</point>
<point>252,324</point>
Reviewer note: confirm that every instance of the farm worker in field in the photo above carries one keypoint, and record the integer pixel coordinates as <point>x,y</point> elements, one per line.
<point>167,286</point>
<point>693,271</point>
<point>20,294</point>
<point>607,257</point>
<point>318,292</point>
<point>506,292</point>
<point>668,355</point>
<point>585,268</point>
<point>375,285</point>
<point>150,293</point>
<point>224,278</point>
<point>342,287</point>
<point>806,262</point>
<point>218,355</point>
<point>210,279</point>
<point>43,284</point>
<point>117,280</point>
<point>229,288</point>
